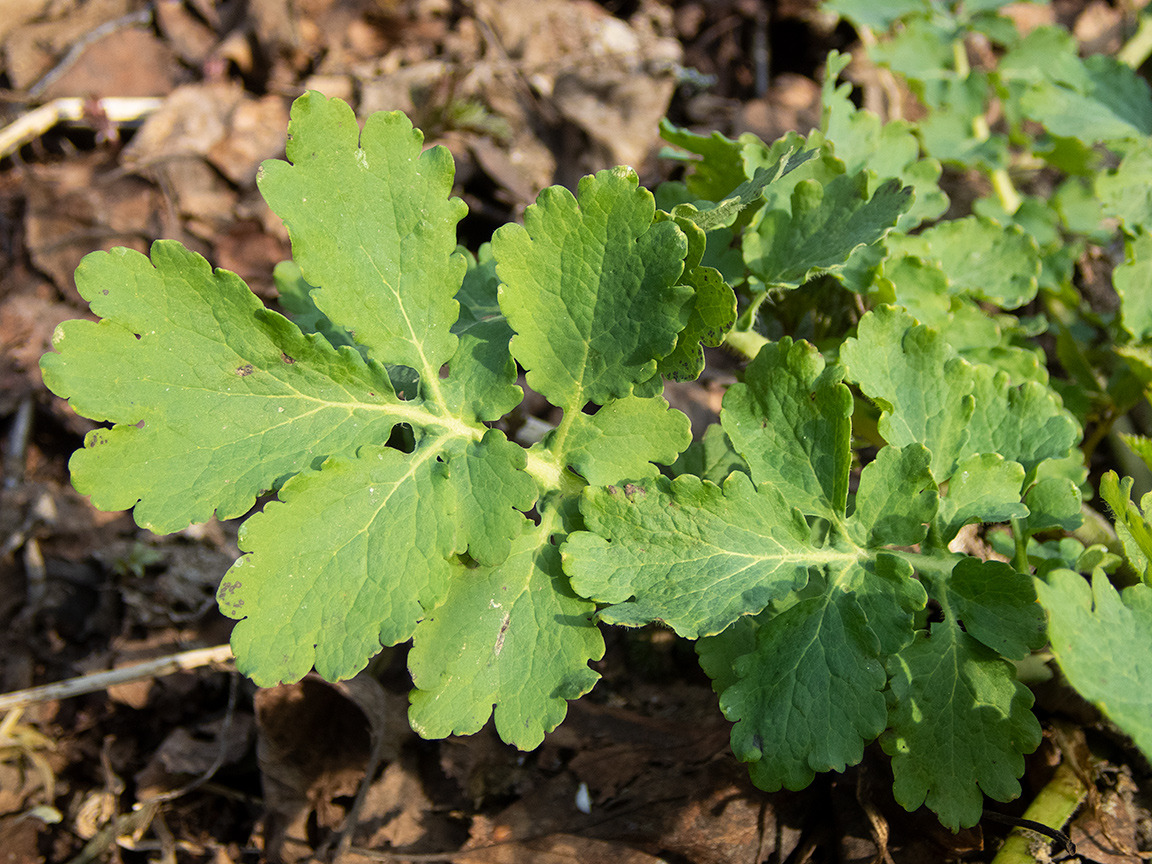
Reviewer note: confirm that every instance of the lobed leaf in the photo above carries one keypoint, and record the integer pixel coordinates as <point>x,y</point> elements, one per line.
<point>959,726</point>
<point>373,227</point>
<point>331,593</point>
<point>1126,191</point>
<point>826,224</point>
<point>887,150</point>
<point>808,698</point>
<point>791,422</point>
<point>713,314</point>
<point>982,259</point>
<point>1133,282</point>
<point>514,637</point>
<point>590,288</point>
<point>1103,643</point>
<point>215,398</point>
<point>922,388</point>
<point>1109,102</point>
<point>711,458</point>
<point>998,607</point>
<point>1027,424</point>
<point>1053,502</point>
<point>896,498</point>
<point>983,488</point>
<point>623,439</point>
<point>1131,525</point>
<point>689,553</point>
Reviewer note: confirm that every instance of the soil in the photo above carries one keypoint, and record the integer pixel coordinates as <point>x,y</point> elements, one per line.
<point>199,765</point>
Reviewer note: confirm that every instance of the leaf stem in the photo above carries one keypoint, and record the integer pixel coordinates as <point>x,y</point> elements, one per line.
<point>1020,537</point>
<point>1139,48</point>
<point>746,342</point>
<point>960,58</point>
<point>1005,190</point>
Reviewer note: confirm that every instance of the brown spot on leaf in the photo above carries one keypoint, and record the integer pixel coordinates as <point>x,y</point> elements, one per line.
<point>245,370</point>
<point>500,637</point>
<point>286,358</point>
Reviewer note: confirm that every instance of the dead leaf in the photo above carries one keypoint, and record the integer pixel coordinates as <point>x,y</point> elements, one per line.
<point>31,50</point>
<point>129,62</point>
<point>16,13</point>
<point>312,747</point>
<point>255,132</point>
<point>190,752</point>
<point>560,849</point>
<point>70,212</point>
<point>609,77</point>
<point>192,40</point>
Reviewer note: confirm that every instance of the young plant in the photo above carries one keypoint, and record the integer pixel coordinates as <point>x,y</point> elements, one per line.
<point>826,603</point>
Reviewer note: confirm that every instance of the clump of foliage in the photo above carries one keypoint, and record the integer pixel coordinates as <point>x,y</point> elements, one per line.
<point>896,393</point>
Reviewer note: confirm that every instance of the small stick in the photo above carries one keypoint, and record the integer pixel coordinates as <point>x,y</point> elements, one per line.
<point>117,109</point>
<point>97,681</point>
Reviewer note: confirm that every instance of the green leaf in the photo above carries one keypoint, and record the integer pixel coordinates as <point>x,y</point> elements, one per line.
<point>485,647</point>
<point>922,388</point>
<point>590,288</point>
<point>1045,54</point>
<point>718,654</point>
<point>896,498</point>
<point>296,300</point>
<point>713,315</point>
<point>791,422</point>
<point>1126,191</point>
<point>711,458</point>
<point>479,293</point>
<point>719,171</point>
<point>330,594</point>
<point>1103,643</point>
<point>482,374</point>
<point>1140,445</point>
<point>826,223</point>
<point>998,607</point>
<point>214,397</point>
<point>1110,102</point>
<point>1053,502</point>
<point>1133,282</point>
<point>887,150</point>
<point>980,726</point>
<point>708,215</point>
<point>888,592</point>
<point>876,17</point>
<point>369,217</point>
<point>983,488</point>
<point>1027,424</point>
<point>923,46</point>
<point>982,259</point>
<point>809,697</point>
<point>623,439</point>
<point>1131,524</point>
<point>689,553</point>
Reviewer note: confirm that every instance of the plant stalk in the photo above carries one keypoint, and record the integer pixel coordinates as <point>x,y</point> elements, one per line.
<point>1053,807</point>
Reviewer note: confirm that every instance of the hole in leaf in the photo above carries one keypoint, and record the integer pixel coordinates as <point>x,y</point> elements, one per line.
<point>402,438</point>
<point>444,371</point>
